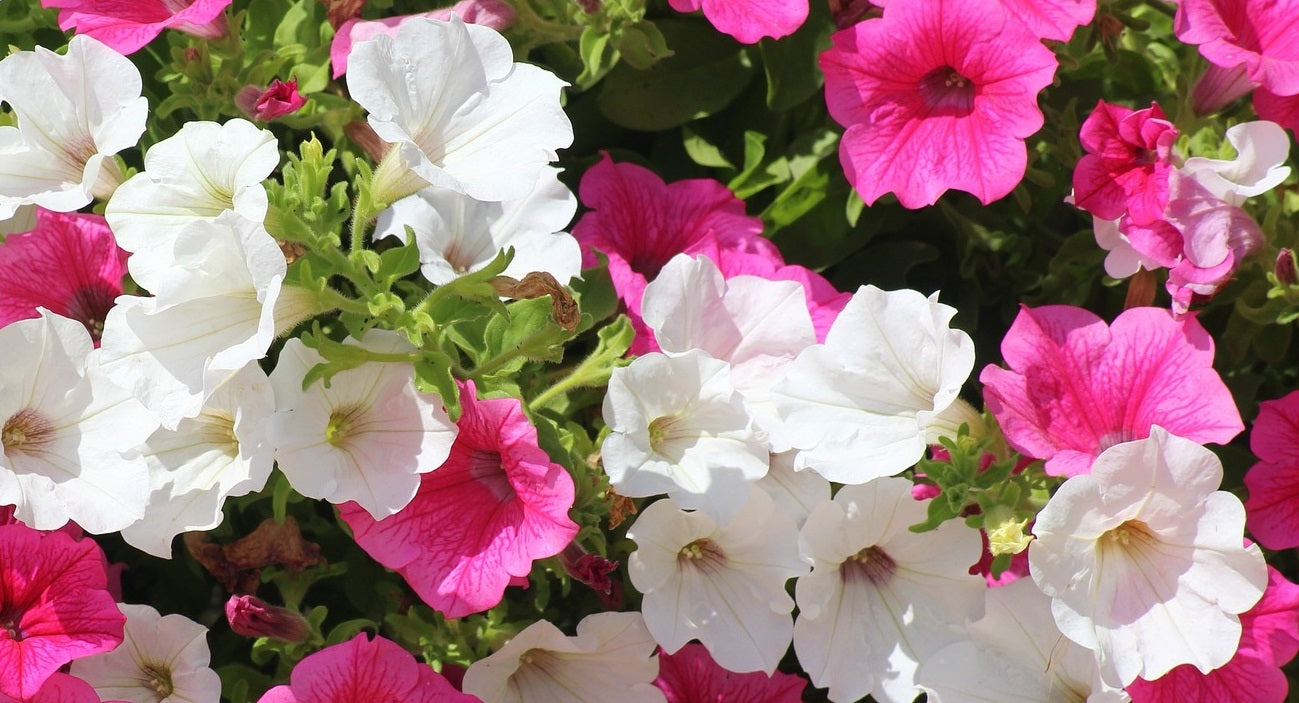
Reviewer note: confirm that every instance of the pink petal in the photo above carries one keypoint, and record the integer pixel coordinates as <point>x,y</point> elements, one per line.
<point>1281,109</point>
<point>692,676</point>
<point>364,669</point>
<point>750,20</point>
<point>1051,19</point>
<point>1275,435</point>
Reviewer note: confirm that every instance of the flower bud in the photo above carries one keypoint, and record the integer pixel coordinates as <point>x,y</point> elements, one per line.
<point>253,617</point>
<point>1005,533</point>
<point>1285,268</point>
<point>276,100</point>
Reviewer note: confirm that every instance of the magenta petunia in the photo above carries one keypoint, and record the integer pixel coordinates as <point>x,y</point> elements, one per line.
<point>54,606</point>
<point>1127,164</point>
<point>936,94</point>
<point>127,25</point>
<point>749,20</point>
<point>691,676</point>
<point>1281,109</point>
<point>70,264</point>
<point>480,519</point>
<point>362,670</point>
<point>1255,34</point>
<point>1077,386</point>
<point>59,688</point>
<point>1272,511</point>
<point>1269,639</point>
<point>1051,19</point>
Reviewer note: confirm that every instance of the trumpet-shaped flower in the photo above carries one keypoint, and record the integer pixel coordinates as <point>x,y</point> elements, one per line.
<point>364,668</point>
<point>749,20</point>
<point>692,676</point>
<point>55,604</point>
<point>74,112</point>
<point>880,598</point>
<point>365,438</point>
<point>162,658</point>
<point>459,111</point>
<point>129,26</point>
<point>481,518</point>
<point>1076,386</point>
<point>611,652</point>
<point>867,402</point>
<point>936,94</point>
<point>1144,562</point>
<point>1273,506</point>
<point>1127,164</point>
<point>1253,34</point>
<point>722,584</point>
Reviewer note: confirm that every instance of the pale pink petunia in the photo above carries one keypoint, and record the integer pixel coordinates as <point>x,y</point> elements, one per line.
<point>692,676</point>
<point>1269,639</point>
<point>936,95</point>
<point>1256,34</point>
<point>1127,164</point>
<point>496,14</point>
<point>54,606</point>
<point>481,518</point>
<point>361,670</point>
<point>1077,386</point>
<point>69,264</point>
<point>1273,506</point>
<point>127,25</point>
<point>749,20</point>
<point>1051,19</point>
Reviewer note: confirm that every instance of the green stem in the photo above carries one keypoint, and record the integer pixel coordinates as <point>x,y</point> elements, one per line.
<point>544,29</point>
<point>575,379</point>
<point>337,300</point>
<point>498,361</point>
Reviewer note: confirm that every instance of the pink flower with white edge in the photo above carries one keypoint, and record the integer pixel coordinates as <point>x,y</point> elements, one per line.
<point>56,606</point>
<point>1076,386</point>
<point>1273,483</point>
<point>479,520</point>
<point>749,20</point>
<point>1127,164</point>
<point>936,94</point>
<point>70,264</point>
<point>361,670</point>
<point>691,675</point>
<point>490,13</point>
<point>127,27</point>
<point>1269,639</point>
<point>1144,562</point>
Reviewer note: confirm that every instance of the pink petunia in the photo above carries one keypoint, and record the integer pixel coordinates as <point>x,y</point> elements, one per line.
<point>936,94</point>
<point>362,670</point>
<point>1269,639</point>
<point>496,14</point>
<point>1051,19</point>
<point>1255,34</point>
<point>70,264</point>
<point>54,606</point>
<point>1077,386</point>
<point>1127,165</point>
<point>749,20</point>
<point>59,688</point>
<point>1272,511</point>
<point>481,518</point>
<point>127,25</point>
<point>691,676</point>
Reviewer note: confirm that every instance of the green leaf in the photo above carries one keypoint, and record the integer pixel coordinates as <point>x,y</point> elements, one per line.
<point>702,152</point>
<point>642,45</point>
<point>790,64</point>
<point>433,375</point>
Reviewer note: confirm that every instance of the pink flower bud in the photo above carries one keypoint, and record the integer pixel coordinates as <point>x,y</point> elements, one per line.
<point>1285,268</point>
<point>253,617</point>
<point>276,100</point>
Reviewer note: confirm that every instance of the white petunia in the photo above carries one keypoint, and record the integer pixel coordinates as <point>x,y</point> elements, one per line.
<point>678,426</point>
<point>366,437</point>
<point>67,435</point>
<point>161,659</point>
<point>611,652</point>
<point>456,234</point>
<point>459,111</point>
<point>880,598</point>
<point>795,493</point>
<point>1144,561</point>
<point>1261,151</point>
<point>883,387</point>
<point>74,112</point>
<point>721,584</point>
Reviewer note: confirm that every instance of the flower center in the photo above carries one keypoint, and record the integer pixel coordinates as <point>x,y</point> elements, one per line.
<point>702,554</point>
<point>945,91</point>
<point>485,467</point>
<point>26,431</point>
<point>90,305</point>
<point>157,678</point>
<point>342,424</point>
<point>664,429</point>
<point>1132,534</point>
<point>871,565</point>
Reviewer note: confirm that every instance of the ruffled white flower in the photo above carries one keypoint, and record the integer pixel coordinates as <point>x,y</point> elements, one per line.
<point>456,234</point>
<point>1144,561</point>
<point>222,452</point>
<point>611,652</point>
<point>880,598</point>
<point>367,437</point>
<point>1261,151</point>
<point>721,584</point>
<point>679,427</point>
<point>200,172</point>
<point>1016,654</point>
<point>883,386</point>
<point>459,111</point>
<point>1122,260</point>
<point>74,112</point>
<point>67,435</point>
<point>161,659</point>
<point>795,493</point>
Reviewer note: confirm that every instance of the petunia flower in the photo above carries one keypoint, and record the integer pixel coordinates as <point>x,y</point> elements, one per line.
<point>611,652</point>
<point>459,111</point>
<point>1272,511</point>
<point>936,94</point>
<point>1076,386</point>
<point>69,264</point>
<point>1051,19</point>
<point>880,598</point>
<point>74,112</point>
<point>162,658</point>
<point>126,27</point>
<point>497,14</point>
<point>749,20</point>
<point>59,688</point>
<point>1144,562</point>
<point>251,616</point>
<point>794,493</point>
<point>364,668</point>
<point>721,584</point>
<point>1127,164</point>
<point>55,604</point>
<point>481,518</point>
<point>690,675</point>
<point>1253,34</point>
